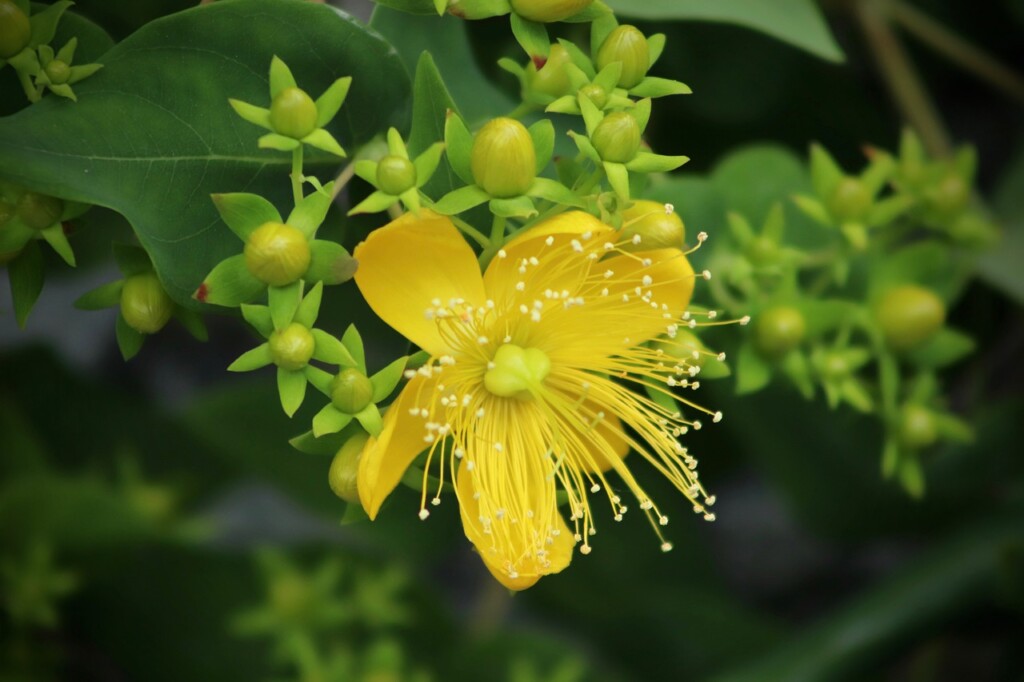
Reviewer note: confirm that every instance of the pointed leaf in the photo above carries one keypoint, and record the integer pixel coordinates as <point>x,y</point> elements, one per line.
<point>752,373</point>
<point>532,36</point>
<point>257,358</point>
<point>129,341</point>
<point>427,162</point>
<point>319,379</point>
<point>329,420</point>
<point>367,170</point>
<point>105,296</point>
<point>599,30</point>
<point>309,309</point>
<point>331,350</point>
<point>328,104</point>
<point>252,113</point>
<point>243,213</point>
<point>642,113</point>
<point>518,207</point>
<point>889,209</point>
<point>459,146</point>
<point>371,420</point>
<point>309,214</point>
<point>655,46</point>
<point>26,275</point>
<point>56,238</point>
<point>354,343</point>
<point>618,178</point>
<point>259,317</point>
<point>291,387</point>
<point>544,188</point>
<point>813,209</point>
<point>543,134</point>
<point>592,116</point>
<point>44,23</point>
<point>384,381</point>
<point>80,73</point>
<point>311,445</point>
<point>67,53</point>
<point>278,142</point>
<point>192,322</point>
<point>947,347</point>
<point>659,87</point>
<point>825,172</point>
<point>229,284</point>
<point>330,263</point>
<point>284,302</point>
<point>281,77</point>
<point>461,200</point>
<point>323,140</point>
<point>375,203</point>
<point>646,162</point>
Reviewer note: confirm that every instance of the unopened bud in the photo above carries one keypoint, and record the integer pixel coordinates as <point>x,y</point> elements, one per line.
<point>909,316</point>
<point>145,306</point>
<point>293,113</point>
<point>351,391</point>
<point>39,211</point>
<point>777,331</point>
<point>344,472</point>
<point>551,79</point>
<point>58,72</point>
<point>395,175</point>
<point>546,11</point>
<point>503,160</point>
<point>292,347</point>
<point>617,137</point>
<point>277,254</point>
<point>657,228</point>
<point>850,200</point>
<point>15,30</point>
<point>950,195</point>
<point>596,94</point>
<point>628,45</point>
<point>917,427</point>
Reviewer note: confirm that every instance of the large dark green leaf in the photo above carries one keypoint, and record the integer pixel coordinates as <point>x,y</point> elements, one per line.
<point>797,22</point>
<point>152,135</point>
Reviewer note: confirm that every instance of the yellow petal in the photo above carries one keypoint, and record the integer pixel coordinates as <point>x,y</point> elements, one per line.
<point>408,263</point>
<point>386,457</point>
<point>503,272</point>
<point>610,442</point>
<point>506,552</point>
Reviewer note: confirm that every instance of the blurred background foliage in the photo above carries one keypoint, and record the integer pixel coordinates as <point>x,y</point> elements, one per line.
<point>155,525</point>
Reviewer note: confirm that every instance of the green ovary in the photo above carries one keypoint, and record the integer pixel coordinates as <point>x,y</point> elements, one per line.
<point>517,372</point>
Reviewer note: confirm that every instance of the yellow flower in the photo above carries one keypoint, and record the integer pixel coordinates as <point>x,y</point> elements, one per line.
<point>526,392</point>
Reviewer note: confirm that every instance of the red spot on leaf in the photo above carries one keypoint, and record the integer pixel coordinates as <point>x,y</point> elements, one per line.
<point>539,61</point>
<point>457,13</point>
<point>67,226</point>
<point>202,293</point>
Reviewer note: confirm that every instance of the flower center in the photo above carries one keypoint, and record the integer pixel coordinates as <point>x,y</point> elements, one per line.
<point>517,372</point>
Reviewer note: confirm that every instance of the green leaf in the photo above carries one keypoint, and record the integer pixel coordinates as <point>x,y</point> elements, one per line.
<point>284,303</point>
<point>291,387</point>
<point>459,146</point>
<point>517,207</point>
<point>26,276</point>
<point>331,350</point>
<point>825,172</point>
<point>461,200</point>
<point>329,420</point>
<point>551,190</point>
<point>320,379</point>
<point>128,340</point>
<point>752,373</point>
<point>324,141</point>
<point>259,317</point>
<point>543,134</point>
<point>430,106</point>
<point>384,381</point>
<point>56,238</point>
<point>281,77</point>
<point>797,22</point>
<point>646,162</point>
<point>375,203</point>
<point>148,142</point>
<point>946,347</point>
<point>311,445</point>
<point>309,308</point>
<point>618,178</point>
<point>192,322</point>
<point>660,87</point>
<point>328,104</point>
<point>250,112</point>
<point>44,23</point>
<point>131,259</point>
<point>330,263</point>
<point>229,284</point>
<point>308,215</point>
<point>243,212</point>
<point>105,296</point>
<point>371,420</point>
<point>257,358</point>
<point>354,343</point>
<point>531,36</point>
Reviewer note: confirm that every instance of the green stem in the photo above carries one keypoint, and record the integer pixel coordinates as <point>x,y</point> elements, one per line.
<point>523,109</point>
<point>470,231</point>
<point>905,85</point>
<point>496,241</point>
<point>31,92</point>
<point>297,174</point>
<point>342,180</point>
<point>959,51</point>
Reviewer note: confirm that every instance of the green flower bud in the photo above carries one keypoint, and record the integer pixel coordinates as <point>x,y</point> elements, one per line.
<point>546,11</point>
<point>596,94</point>
<point>293,113</point>
<point>291,598</point>
<point>832,366</point>
<point>617,137</point>
<point>292,347</point>
<point>761,251</point>
<point>917,428</point>
<point>777,331</point>
<point>950,195</point>
<point>277,254</point>
<point>850,200</point>
<point>145,306</point>
<point>628,45</point>
<point>351,391</point>
<point>910,315</point>
<point>344,470</point>
<point>395,175</point>
<point>503,159</point>
<point>58,72</point>
<point>39,211</point>
<point>15,29</point>
<point>551,79</point>
<point>657,227</point>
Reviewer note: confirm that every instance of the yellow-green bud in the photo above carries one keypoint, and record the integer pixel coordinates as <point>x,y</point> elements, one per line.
<point>596,94</point>
<point>850,199</point>
<point>950,195</point>
<point>503,160</point>
<point>761,251</point>
<point>15,30</point>
<point>833,366</point>
<point>395,174</point>
<point>293,113</point>
<point>626,44</point>
<point>546,11</point>
<point>290,597</point>
<point>617,137</point>
<point>277,254</point>
<point>657,226</point>
<point>351,391</point>
<point>777,331</point>
<point>917,427</point>
<point>39,211</point>
<point>58,72</point>
<point>910,315</point>
<point>292,347</point>
<point>145,305</point>
<point>344,471</point>
<point>551,79</point>
<point>517,372</point>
